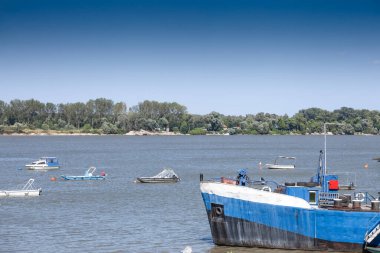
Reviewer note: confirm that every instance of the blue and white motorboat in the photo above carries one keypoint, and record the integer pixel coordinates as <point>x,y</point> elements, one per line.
<point>313,215</point>
<point>44,163</point>
<point>89,175</point>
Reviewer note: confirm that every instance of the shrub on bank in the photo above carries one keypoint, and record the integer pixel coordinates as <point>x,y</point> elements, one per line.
<point>198,131</point>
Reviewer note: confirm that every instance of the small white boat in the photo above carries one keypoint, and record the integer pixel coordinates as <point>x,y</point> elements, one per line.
<point>276,165</point>
<point>89,175</point>
<point>165,176</point>
<point>44,163</point>
<point>27,191</point>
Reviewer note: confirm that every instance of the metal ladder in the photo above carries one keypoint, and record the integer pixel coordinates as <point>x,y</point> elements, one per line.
<point>29,185</point>
<point>373,233</point>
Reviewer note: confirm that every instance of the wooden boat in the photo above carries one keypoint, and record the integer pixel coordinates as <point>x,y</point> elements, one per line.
<point>26,191</point>
<point>44,163</point>
<point>89,175</point>
<point>275,165</point>
<point>165,176</point>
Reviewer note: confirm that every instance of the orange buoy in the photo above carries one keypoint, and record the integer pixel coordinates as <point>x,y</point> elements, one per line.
<point>53,179</point>
<point>366,166</point>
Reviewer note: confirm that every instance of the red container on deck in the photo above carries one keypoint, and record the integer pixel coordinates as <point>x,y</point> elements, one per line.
<point>228,181</point>
<point>334,185</point>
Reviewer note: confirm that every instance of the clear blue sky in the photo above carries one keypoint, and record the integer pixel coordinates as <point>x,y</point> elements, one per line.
<point>234,57</point>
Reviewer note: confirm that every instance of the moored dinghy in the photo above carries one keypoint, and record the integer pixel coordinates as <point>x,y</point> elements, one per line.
<point>276,165</point>
<point>27,190</point>
<point>165,176</point>
<point>89,175</point>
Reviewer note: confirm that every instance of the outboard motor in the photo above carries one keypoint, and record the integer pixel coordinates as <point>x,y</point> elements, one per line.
<point>242,177</point>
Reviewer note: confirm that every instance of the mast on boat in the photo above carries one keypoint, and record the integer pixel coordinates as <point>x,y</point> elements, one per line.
<point>324,132</point>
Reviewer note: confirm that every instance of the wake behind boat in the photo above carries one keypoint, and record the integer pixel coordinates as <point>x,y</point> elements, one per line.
<point>44,163</point>
<point>27,190</point>
<point>88,175</point>
<point>165,176</point>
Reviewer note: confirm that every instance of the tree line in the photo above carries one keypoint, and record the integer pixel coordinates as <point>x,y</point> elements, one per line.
<point>104,116</point>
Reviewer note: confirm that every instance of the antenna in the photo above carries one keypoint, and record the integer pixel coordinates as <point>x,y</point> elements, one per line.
<point>324,132</point>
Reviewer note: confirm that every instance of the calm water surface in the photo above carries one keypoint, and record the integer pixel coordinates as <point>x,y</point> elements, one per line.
<point>118,215</point>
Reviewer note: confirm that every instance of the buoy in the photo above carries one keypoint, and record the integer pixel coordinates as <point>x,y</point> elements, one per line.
<point>53,179</point>
<point>366,166</point>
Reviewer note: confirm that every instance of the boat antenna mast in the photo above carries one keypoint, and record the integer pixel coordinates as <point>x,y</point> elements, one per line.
<point>324,133</point>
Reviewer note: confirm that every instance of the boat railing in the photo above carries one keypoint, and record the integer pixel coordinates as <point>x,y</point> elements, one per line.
<point>285,157</point>
<point>28,185</point>
<point>364,197</point>
<point>250,183</point>
<point>327,198</point>
<point>90,171</point>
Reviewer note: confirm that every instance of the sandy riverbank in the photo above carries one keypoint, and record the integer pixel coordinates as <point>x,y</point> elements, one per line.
<point>144,132</point>
<point>62,133</point>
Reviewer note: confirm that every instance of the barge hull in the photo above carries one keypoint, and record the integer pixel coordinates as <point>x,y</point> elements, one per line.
<point>231,231</point>
<point>243,216</point>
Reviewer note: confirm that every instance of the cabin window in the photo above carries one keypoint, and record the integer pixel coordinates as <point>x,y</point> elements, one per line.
<point>312,197</point>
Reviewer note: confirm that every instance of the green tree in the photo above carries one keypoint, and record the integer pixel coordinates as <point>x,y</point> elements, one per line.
<point>184,128</point>
<point>163,123</point>
<point>3,110</point>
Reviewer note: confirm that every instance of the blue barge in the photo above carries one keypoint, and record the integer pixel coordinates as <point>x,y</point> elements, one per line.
<point>310,215</point>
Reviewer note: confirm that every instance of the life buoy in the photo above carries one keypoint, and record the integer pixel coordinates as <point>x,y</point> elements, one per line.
<point>267,189</point>
<point>360,196</point>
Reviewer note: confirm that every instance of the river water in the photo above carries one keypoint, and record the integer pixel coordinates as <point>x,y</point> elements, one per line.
<point>118,215</point>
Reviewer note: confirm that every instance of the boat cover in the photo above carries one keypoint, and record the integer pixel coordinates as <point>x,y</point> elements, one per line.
<point>166,173</point>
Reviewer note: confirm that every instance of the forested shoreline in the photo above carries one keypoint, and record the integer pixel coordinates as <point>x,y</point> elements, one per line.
<point>104,116</point>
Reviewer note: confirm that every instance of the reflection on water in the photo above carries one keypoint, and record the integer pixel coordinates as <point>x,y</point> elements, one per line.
<point>13,159</point>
